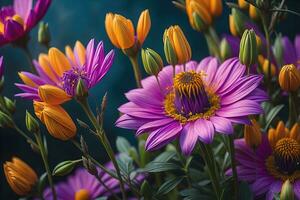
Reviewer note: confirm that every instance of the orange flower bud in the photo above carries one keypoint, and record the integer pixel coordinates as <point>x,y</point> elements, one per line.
<point>119,30</point>
<point>179,44</point>
<point>289,78</point>
<point>265,67</point>
<point>232,28</point>
<point>216,7</point>
<point>199,14</point>
<point>58,122</point>
<point>252,134</point>
<point>53,95</point>
<point>143,26</point>
<point>20,176</point>
<point>253,12</point>
<point>243,4</point>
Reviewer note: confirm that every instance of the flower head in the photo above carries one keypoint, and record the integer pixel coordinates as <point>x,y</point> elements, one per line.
<point>120,30</point>
<point>57,121</point>
<point>20,176</point>
<point>58,73</point>
<point>274,161</point>
<point>21,17</point>
<point>204,99</point>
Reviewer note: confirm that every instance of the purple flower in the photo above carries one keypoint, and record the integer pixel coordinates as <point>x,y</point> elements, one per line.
<point>192,106</point>
<point>21,17</point>
<point>291,52</point>
<point>273,162</point>
<point>64,71</point>
<point>83,185</point>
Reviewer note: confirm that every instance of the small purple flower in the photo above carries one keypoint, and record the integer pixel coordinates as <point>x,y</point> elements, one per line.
<point>192,106</point>
<point>64,71</point>
<point>274,161</point>
<point>291,52</point>
<point>21,17</point>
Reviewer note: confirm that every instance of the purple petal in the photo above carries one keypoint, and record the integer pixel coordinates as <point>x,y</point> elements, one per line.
<point>297,189</point>
<point>139,97</point>
<point>22,8</point>
<point>205,130</point>
<point>289,52</point>
<point>274,188</point>
<point>125,121</point>
<point>209,65</point>
<point>234,43</point>
<point>162,136</point>
<point>27,88</point>
<point>258,95</point>
<point>188,138</point>
<point>12,30</point>
<point>262,185</point>
<point>222,125</point>
<point>153,125</point>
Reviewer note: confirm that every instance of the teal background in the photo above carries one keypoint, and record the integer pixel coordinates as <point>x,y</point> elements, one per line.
<point>72,20</point>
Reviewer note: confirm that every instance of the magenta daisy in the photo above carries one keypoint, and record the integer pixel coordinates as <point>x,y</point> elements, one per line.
<point>192,106</point>
<point>58,74</point>
<point>21,17</point>
<point>272,163</point>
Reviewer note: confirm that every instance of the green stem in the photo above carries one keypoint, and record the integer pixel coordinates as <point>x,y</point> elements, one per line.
<point>268,42</point>
<point>136,69</point>
<point>293,113</point>
<point>46,163</point>
<point>233,166</point>
<point>103,139</point>
<point>212,168</point>
<point>28,139</point>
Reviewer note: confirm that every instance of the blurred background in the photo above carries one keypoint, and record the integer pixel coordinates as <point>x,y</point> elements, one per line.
<point>72,20</point>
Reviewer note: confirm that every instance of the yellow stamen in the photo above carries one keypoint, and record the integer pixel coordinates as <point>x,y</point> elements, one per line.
<point>188,83</point>
<point>82,194</point>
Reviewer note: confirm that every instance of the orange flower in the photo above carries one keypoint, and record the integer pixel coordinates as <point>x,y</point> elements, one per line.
<point>289,78</point>
<point>57,121</point>
<point>121,32</point>
<point>20,176</point>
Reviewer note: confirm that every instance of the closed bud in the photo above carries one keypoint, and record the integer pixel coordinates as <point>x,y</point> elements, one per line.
<point>252,134</point>
<point>248,48</point>
<point>278,49</point>
<point>152,61</point>
<point>104,103</point>
<point>6,120</point>
<point>225,49</point>
<point>254,12</point>
<point>289,78</point>
<point>143,26</point>
<point>90,167</point>
<point>237,22</point>
<point>287,192</point>
<point>44,36</point>
<point>176,46</point>
<point>81,90</point>
<point>20,176</point>
<point>10,105</point>
<point>64,167</point>
<point>265,67</point>
<point>31,123</point>
<point>243,4</point>
<point>84,146</point>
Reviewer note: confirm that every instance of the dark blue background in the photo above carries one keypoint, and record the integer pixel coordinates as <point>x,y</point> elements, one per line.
<point>72,20</point>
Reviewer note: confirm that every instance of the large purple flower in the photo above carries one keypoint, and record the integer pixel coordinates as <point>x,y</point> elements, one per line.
<point>58,74</point>
<point>291,52</point>
<point>21,17</point>
<point>273,162</point>
<point>192,106</point>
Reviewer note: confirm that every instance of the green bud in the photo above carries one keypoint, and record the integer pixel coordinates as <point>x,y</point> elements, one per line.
<point>81,90</point>
<point>44,36</point>
<point>10,105</point>
<point>152,61</point>
<point>239,19</point>
<point>199,24</point>
<point>91,168</point>
<point>146,190</point>
<point>65,167</point>
<point>248,48</point>
<point>5,120</point>
<point>31,123</point>
<point>225,49</point>
<point>287,192</point>
<point>278,50</point>
<point>170,52</point>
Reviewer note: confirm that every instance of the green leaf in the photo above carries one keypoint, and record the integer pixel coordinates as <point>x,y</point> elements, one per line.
<point>165,156</point>
<point>169,185</point>
<point>194,194</point>
<point>161,167</point>
<point>245,191</point>
<point>126,164</point>
<point>122,144</point>
<point>271,115</point>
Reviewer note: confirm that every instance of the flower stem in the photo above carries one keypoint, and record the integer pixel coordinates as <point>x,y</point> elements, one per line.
<point>136,69</point>
<point>267,35</point>
<point>28,139</point>
<point>212,42</point>
<point>293,113</point>
<point>103,139</point>
<point>233,166</point>
<point>46,163</point>
<point>212,168</point>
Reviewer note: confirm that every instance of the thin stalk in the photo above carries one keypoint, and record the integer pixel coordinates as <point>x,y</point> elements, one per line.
<point>211,166</point>
<point>293,113</point>
<point>233,166</point>
<point>136,70</point>
<point>103,139</point>
<point>28,139</point>
<point>268,42</point>
<point>46,163</point>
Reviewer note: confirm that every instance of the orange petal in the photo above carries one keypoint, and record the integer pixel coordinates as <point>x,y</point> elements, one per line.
<point>143,26</point>
<point>53,95</point>
<point>59,61</point>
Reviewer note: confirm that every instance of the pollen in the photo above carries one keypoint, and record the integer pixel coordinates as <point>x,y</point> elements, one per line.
<point>82,194</point>
<point>188,83</point>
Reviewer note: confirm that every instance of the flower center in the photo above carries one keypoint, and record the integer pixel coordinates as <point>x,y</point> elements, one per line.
<point>70,79</point>
<point>190,100</point>
<point>287,155</point>
<point>82,194</point>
